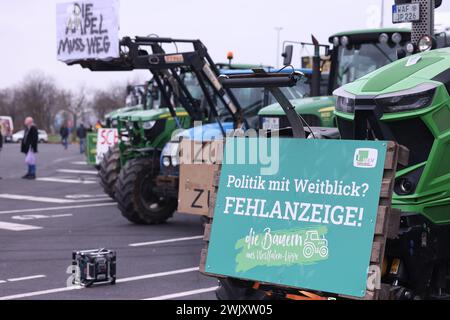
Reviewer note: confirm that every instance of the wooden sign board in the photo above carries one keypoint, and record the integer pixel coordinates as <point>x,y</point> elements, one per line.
<point>199,163</point>
<point>386,227</point>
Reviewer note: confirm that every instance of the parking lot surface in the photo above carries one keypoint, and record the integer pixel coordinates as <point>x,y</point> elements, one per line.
<point>65,209</point>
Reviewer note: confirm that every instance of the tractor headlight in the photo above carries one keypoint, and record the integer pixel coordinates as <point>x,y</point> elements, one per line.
<point>404,186</point>
<point>396,38</point>
<point>345,41</point>
<point>147,125</point>
<point>336,41</point>
<point>345,101</point>
<point>410,48</point>
<point>130,126</point>
<point>425,43</point>
<point>412,99</point>
<point>170,153</point>
<point>166,161</point>
<point>383,38</point>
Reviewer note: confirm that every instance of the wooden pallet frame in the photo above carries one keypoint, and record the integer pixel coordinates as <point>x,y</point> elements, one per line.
<point>387,224</point>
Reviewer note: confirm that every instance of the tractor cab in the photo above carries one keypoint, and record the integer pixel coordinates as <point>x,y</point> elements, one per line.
<point>353,55</point>
<point>357,53</point>
<point>139,97</point>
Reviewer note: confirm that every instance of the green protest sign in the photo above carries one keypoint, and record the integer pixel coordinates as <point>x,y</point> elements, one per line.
<point>91,148</point>
<point>309,223</point>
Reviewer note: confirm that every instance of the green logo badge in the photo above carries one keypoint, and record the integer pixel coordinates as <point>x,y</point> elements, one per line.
<point>365,158</point>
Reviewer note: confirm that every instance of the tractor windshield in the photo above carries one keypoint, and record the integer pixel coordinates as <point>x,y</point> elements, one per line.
<point>253,99</point>
<point>191,82</point>
<point>135,95</point>
<point>355,61</point>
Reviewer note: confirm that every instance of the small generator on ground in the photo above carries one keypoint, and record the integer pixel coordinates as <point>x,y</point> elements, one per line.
<point>94,266</point>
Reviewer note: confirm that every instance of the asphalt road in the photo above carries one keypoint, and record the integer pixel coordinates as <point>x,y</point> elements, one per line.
<point>65,209</point>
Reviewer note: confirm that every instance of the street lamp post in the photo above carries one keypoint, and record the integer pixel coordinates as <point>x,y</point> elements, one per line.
<point>278,30</point>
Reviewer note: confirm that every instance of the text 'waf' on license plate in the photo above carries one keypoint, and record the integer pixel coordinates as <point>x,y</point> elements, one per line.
<point>405,12</point>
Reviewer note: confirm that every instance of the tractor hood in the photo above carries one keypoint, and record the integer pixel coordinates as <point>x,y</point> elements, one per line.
<point>206,132</point>
<point>153,114</point>
<point>312,105</point>
<point>116,113</point>
<point>404,74</point>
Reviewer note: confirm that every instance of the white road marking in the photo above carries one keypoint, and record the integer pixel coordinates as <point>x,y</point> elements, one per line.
<point>141,244</point>
<point>17,227</point>
<point>39,293</point>
<point>93,200</point>
<point>50,200</point>
<point>38,276</point>
<point>61,215</point>
<point>40,216</point>
<point>183,294</point>
<point>73,181</point>
<point>78,171</point>
<point>32,198</point>
<point>56,290</point>
<point>60,208</point>
<point>65,159</point>
<point>79,163</point>
<point>85,196</point>
<point>2,281</point>
<point>157,275</point>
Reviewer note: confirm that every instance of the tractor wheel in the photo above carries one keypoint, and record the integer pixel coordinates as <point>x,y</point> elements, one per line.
<point>234,289</point>
<point>109,171</point>
<point>134,193</point>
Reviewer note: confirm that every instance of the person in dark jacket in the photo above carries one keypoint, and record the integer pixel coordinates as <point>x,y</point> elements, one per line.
<point>64,133</point>
<point>81,134</point>
<point>29,147</point>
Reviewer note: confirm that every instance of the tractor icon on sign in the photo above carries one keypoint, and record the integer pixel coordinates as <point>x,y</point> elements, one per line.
<point>314,244</point>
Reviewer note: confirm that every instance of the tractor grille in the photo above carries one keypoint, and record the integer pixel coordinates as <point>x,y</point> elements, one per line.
<point>156,131</point>
<point>134,134</point>
<point>412,133</point>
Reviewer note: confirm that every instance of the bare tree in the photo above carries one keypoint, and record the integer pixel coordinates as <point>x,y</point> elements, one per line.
<point>37,96</point>
<point>108,100</point>
<point>4,106</point>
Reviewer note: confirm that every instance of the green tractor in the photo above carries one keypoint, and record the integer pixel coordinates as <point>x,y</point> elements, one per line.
<point>354,54</point>
<point>134,101</point>
<point>139,98</point>
<point>184,89</point>
<point>146,191</point>
<point>190,91</point>
<point>407,101</point>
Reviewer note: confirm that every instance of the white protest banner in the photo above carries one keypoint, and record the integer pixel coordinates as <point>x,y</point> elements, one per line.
<point>87,30</point>
<point>106,138</point>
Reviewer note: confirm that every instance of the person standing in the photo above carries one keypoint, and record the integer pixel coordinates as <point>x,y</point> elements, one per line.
<point>81,134</point>
<point>64,133</point>
<point>29,147</point>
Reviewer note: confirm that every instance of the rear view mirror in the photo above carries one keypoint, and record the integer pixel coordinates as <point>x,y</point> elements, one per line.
<point>287,54</point>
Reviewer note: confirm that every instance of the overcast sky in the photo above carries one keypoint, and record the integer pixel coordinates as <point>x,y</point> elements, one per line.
<point>246,27</point>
